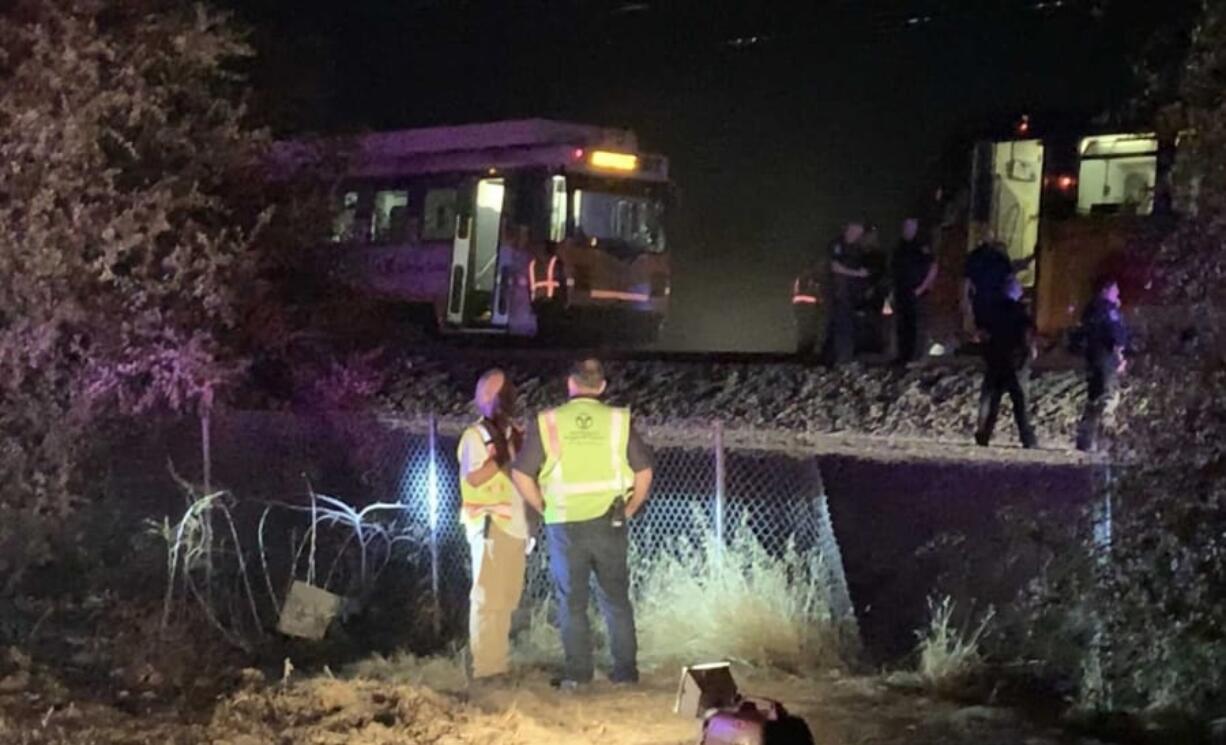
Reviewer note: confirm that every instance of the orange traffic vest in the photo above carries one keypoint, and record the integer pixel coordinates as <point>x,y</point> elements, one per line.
<point>804,291</point>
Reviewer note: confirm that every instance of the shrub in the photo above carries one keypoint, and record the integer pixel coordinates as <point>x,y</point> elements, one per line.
<point>133,224</point>
<point>1147,608</point>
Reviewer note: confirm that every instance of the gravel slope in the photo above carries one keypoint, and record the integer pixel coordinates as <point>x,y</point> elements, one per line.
<point>918,408</point>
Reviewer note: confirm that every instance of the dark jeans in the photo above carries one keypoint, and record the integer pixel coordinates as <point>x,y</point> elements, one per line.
<point>909,317</point>
<point>999,379</point>
<point>807,328</point>
<point>576,551</point>
<point>1101,381</point>
<point>840,344</point>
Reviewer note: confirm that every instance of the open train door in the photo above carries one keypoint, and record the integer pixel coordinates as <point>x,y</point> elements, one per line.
<point>476,259</point>
<point>1006,196</point>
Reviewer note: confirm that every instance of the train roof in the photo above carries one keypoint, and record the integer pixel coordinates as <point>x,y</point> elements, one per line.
<point>494,145</point>
<point>492,135</point>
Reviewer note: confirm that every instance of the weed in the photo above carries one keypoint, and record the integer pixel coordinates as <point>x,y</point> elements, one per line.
<point>207,565</point>
<point>949,655</point>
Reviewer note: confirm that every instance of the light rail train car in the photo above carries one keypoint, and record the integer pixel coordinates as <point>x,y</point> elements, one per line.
<point>1082,204</point>
<point>530,228</point>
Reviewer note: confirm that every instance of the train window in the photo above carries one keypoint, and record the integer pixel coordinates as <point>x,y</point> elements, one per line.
<point>346,217</point>
<point>440,213</point>
<point>1117,174</point>
<point>390,217</point>
<point>557,210</point>
<point>632,221</point>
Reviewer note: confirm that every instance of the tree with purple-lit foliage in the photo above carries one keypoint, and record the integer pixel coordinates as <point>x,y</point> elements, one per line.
<point>1159,593</point>
<point>135,234</point>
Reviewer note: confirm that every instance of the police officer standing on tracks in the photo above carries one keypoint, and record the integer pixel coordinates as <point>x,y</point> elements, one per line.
<point>871,333</point>
<point>493,515</point>
<point>584,468</point>
<point>1105,338</point>
<point>915,272</point>
<point>846,282</point>
<point>1008,350</point>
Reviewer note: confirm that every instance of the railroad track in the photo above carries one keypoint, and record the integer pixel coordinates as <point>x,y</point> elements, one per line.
<point>507,350</point>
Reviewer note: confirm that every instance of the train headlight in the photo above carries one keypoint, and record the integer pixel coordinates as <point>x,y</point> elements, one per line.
<point>611,161</point>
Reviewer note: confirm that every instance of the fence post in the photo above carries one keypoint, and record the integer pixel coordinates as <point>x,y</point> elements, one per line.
<point>720,485</point>
<point>432,517</point>
<point>206,439</point>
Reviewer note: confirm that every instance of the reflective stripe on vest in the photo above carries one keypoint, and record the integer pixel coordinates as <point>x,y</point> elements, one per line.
<point>547,287</point>
<point>473,512</point>
<point>493,498</point>
<point>585,465</point>
<point>799,297</point>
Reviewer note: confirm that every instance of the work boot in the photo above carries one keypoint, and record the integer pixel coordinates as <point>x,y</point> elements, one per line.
<point>981,439</point>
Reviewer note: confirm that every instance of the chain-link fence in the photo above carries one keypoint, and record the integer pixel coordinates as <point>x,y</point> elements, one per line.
<point>700,487</point>
<point>705,491</point>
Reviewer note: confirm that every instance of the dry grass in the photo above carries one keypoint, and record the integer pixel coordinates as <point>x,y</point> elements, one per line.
<point>949,655</point>
<point>211,569</point>
<point>539,644</point>
<point>698,601</point>
<point>441,673</point>
<point>739,602</point>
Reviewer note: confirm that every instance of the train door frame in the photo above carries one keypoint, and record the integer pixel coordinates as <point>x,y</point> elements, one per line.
<point>504,279</point>
<point>988,173</point>
<point>475,223</point>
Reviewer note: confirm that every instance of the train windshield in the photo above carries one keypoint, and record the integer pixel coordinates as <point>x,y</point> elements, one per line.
<point>632,222</point>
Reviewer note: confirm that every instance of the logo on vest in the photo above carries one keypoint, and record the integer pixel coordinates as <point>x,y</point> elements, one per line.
<point>583,432</point>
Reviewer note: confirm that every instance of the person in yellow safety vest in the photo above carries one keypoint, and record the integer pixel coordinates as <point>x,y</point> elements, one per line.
<point>806,299</point>
<point>493,515</point>
<point>586,470</point>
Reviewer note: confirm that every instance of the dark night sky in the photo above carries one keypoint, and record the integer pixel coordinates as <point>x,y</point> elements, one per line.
<point>841,107</point>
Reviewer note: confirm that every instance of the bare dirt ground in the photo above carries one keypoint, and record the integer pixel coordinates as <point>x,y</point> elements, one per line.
<point>323,710</point>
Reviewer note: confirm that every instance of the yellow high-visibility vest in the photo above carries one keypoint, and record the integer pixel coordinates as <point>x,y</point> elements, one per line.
<point>586,466</point>
<point>495,497</point>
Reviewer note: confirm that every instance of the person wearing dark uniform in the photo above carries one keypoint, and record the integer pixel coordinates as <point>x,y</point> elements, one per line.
<point>586,471</point>
<point>805,301</point>
<point>874,290</point>
<point>988,267</point>
<point>1007,352</point>
<point>915,271</point>
<point>1105,337</point>
<point>845,280</point>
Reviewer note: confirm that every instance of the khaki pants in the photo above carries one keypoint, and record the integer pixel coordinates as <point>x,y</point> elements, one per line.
<point>498,581</point>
